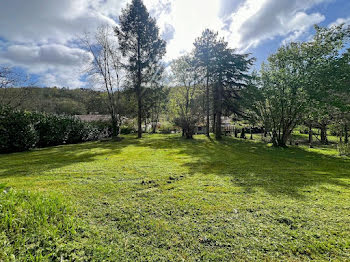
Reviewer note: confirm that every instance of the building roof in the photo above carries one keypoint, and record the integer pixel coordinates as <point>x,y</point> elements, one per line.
<point>92,118</point>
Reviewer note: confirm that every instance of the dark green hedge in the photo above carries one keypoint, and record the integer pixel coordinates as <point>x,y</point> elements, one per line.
<point>20,130</point>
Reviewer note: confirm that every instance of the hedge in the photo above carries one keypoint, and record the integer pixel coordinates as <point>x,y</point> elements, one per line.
<point>21,130</point>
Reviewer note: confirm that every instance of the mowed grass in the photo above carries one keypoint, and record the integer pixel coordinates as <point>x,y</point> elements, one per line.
<point>164,198</point>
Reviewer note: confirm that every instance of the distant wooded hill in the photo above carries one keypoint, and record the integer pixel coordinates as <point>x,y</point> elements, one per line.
<point>59,100</point>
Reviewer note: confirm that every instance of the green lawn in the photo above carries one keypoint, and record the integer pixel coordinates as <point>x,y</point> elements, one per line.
<point>164,198</point>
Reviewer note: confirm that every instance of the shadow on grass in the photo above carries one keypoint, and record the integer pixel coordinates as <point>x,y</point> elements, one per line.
<point>287,171</point>
<point>47,159</point>
<point>248,164</point>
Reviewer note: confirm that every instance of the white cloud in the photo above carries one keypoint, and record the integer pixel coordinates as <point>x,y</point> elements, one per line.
<point>339,21</point>
<point>41,35</point>
<point>57,64</point>
<point>187,19</point>
<point>44,21</point>
<point>256,21</point>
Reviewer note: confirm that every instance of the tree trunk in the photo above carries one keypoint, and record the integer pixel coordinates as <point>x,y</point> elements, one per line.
<point>208,106</point>
<point>243,133</point>
<point>139,117</point>
<point>145,124</point>
<point>274,138</point>
<point>324,139</point>
<point>214,123</point>
<point>251,134</point>
<point>139,92</point>
<point>346,134</point>
<point>279,140</point>
<point>283,140</point>
<point>114,128</point>
<point>310,136</point>
<point>218,131</point>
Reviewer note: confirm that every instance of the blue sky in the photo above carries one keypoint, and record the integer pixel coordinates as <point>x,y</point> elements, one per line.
<point>40,37</point>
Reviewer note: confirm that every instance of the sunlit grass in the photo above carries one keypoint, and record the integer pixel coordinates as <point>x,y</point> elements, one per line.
<point>166,198</point>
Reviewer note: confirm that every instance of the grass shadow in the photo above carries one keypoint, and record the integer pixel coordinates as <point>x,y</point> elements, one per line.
<point>46,159</point>
<point>252,164</point>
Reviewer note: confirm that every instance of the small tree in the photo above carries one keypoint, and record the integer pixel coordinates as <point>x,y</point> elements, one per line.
<point>282,96</point>
<point>9,96</point>
<point>105,69</point>
<point>327,66</point>
<point>155,102</point>
<point>186,98</point>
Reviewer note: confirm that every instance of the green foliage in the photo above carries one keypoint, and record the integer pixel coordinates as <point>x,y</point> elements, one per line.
<point>279,98</point>
<point>52,129</point>
<point>155,103</point>
<point>55,100</point>
<point>166,127</point>
<point>225,71</point>
<point>344,149</point>
<point>128,127</point>
<point>303,82</point>
<point>185,100</point>
<point>17,131</point>
<point>21,130</point>
<point>141,45</point>
<point>34,227</point>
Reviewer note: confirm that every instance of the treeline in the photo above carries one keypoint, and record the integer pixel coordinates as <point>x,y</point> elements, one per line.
<point>304,83</point>
<point>55,100</point>
<point>23,130</point>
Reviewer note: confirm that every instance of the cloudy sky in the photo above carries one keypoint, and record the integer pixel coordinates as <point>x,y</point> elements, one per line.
<point>40,37</point>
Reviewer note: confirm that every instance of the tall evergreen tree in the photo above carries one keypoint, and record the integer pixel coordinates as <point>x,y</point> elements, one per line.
<point>205,57</point>
<point>230,74</point>
<point>140,43</point>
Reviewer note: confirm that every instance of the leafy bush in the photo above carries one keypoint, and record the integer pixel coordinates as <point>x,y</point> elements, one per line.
<point>52,129</point>
<point>344,149</point>
<point>103,129</point>
<point>17,132</point>
<point>34,227</point>
<point>127,128</point>
<point>20,130</point>
<point>166,128</point>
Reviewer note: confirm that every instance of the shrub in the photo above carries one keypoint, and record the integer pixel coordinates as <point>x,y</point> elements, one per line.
<point>127,128</point>
<point>166,127</point>
<point>20,130</point>
<point>52,129</point>
<point>17,132</point>
<point>103,129</point>
<point>344,149</point>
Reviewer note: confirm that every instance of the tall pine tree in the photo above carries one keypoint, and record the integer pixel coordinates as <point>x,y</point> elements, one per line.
<point>205,57</point>
<point>140,43</point>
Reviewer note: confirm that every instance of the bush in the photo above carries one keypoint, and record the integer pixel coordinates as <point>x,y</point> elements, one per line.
<point>344,149</point>
<point>17,132</point>
<point>166,127</point>
<point>21,130</point>
<point>127,128</point>
<point>52,129</point>
<point>103,129</point>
